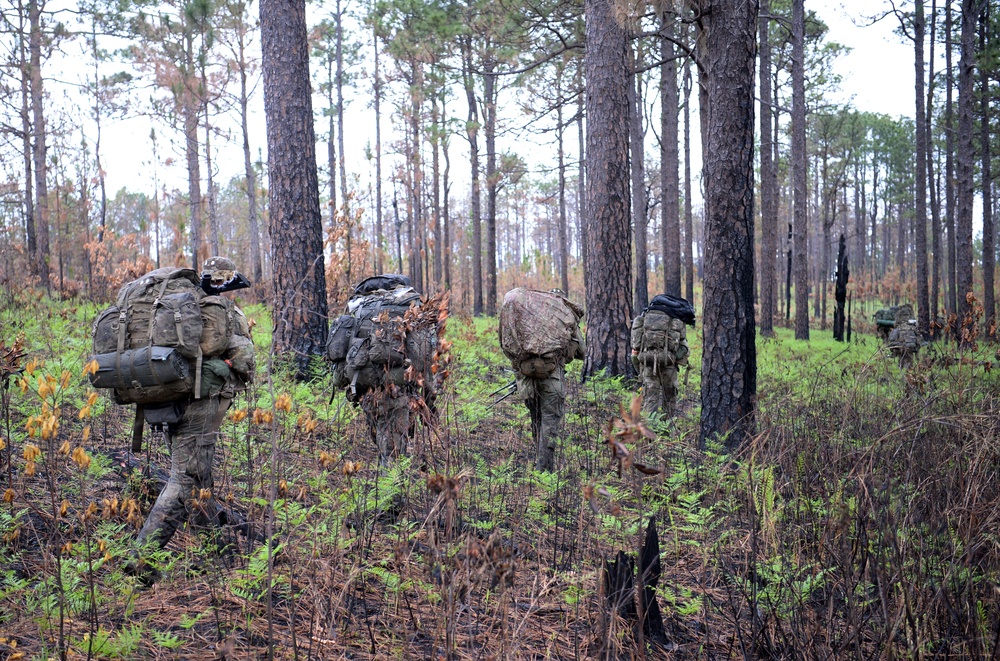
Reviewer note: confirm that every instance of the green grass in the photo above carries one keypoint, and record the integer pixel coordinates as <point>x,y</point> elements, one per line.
<point>860,521</point>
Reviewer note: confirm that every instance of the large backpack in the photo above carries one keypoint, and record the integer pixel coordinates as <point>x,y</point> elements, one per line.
<point>656,337</point>
<point>373,344</point>
<point>538,331</point>
<point>150,345</point>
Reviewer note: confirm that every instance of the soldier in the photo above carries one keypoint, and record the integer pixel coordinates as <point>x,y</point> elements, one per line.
<point>189,492</point>
<point>659,348</point>
<point>903,341</point>
<point>539,332</point>
<point>381,350</point>
<point>885,320</point>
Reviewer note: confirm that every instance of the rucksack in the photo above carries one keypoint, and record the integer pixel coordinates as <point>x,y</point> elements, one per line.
<point>371,345</point>
<point>150,345</point>
<point>538,331</point>
<point>656,336</point>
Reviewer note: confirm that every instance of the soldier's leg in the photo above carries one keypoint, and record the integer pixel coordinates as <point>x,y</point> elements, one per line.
<point>527,389</point>
<point>652,392</point>
<point>668,388</point>
<point>390,422</point>
<point>192,450</point>
<point>551,406</point>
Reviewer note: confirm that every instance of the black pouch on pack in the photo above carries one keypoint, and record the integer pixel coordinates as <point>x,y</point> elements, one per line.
<point>339,340</point>
<point>164,415</point>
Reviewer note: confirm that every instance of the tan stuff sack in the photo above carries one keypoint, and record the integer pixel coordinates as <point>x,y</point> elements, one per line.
<point>538,331</point>
<point>167,309</point>
<point>656,336</point>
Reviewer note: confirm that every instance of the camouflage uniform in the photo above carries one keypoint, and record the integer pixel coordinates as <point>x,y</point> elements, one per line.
<point>387,412</point>
<point>659,375</point>
<point>903,341</point>
<point>189,492</point>
<point>545,399</point>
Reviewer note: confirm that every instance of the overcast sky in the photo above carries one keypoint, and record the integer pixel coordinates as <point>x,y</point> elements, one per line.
<point>877,76</point>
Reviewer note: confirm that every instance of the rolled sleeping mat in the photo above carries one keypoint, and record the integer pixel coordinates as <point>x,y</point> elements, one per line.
<point>144,367</point>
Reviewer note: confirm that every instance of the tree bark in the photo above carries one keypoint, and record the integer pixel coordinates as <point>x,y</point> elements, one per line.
<point>437,124</point>
<point>39,151</point>
<point>639,208</point>
<point>932,187</point>
<point>377,101</point>
<point>472,131</point>
<point>563,231</point>
<point>920,213</point>
<point>669,162</point>
<point>966,155</point>
<point>768,181</point>
<point>492,183</point>
<point>296,227</point>
<point>989,242</point>
<point>250,176</point>
<point>26,133</point>
<point>951,303</point>
<point>688,215</point>
<point>799,175</point>
<point>608,273</point>
<point>729,367</point>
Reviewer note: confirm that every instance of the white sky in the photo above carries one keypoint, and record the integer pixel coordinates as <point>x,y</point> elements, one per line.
<point>877,76</point>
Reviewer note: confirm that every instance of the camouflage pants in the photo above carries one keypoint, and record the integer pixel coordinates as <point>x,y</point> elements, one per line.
<point>388,420</point>
<point>659,390</point>
<point>188,494</point>
<point>546,404</point>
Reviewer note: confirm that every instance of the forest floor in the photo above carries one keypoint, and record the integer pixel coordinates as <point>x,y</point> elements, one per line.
<point>862,521</point>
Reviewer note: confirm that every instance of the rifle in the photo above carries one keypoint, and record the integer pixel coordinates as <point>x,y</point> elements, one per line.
<point>238,281</point>
<point>508,390</point>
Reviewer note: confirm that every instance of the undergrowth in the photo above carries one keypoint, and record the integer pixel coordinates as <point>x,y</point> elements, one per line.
<point>861,521</point>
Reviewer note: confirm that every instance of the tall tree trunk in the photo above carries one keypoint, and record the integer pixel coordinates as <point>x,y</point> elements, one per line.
<point>98,115</point>
<point>688,215</point>
<point>583,216</point>
<point>951,304</point>
<point>989,242</point>
<point>194,177</point>
<point>38,131</point>
<point>966,155</point>
<point>377,92</point>
<point>729,366</point>
<point>472,130</point>
<point>563,233</point>
<point>28,153</point>
<point>799,175</point>
<point>920,213</point>
<point>436,123</point>
<point>213,216</point>
<point>639,208</point>
<point>446,247</point>
<point>608,273</point>
<point>331,144</point>
<point>296,227</point>
<point>669,162</point>
<point>827,224</point>
<point>250,176</point>
<point>932,187</point>
<point>768,181</point>
<point>492,183</point>
<point>340,128</point>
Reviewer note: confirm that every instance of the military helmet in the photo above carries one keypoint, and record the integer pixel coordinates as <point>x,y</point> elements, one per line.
<point>219,269</point>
